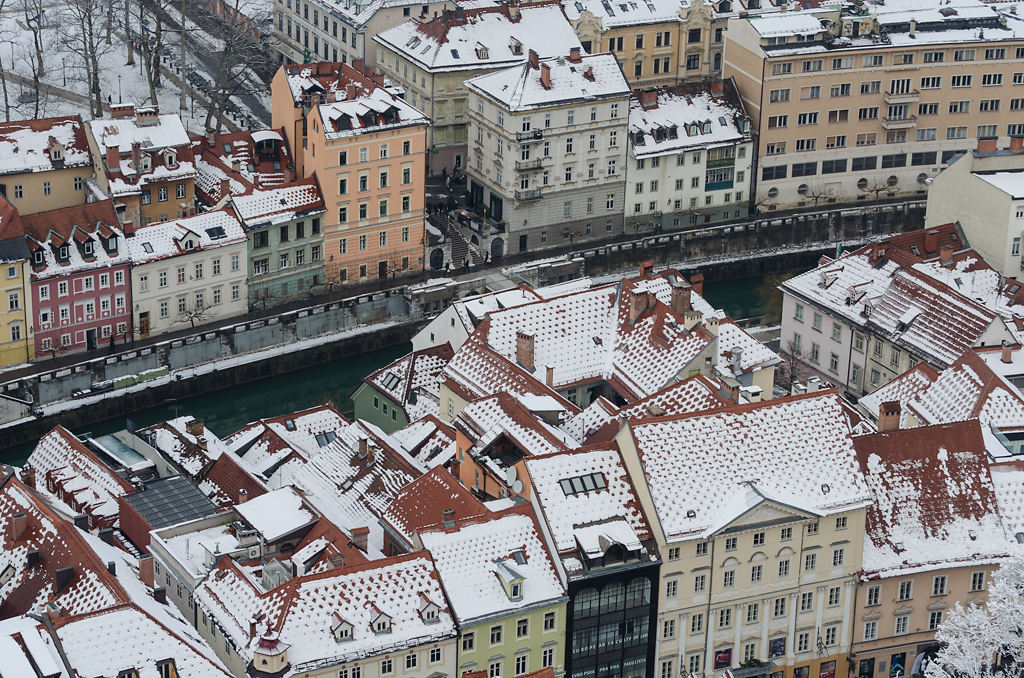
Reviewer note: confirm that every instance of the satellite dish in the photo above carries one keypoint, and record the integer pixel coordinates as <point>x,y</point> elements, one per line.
<point>510,476</point>
<point>517,486</point>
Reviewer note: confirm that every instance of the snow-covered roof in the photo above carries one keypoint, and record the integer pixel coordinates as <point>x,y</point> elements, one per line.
<point>413,381</point>
<point>474,558</point>
<point>423,502</point>
<point>796,450</point>
<point>429,441</point>
<point>484,39</point>
<point>173,440</point>
<point>933,497</point>
<point>681,118</point>
<point>968,389</point>
<point>350,104</point>
<point>83,483</point>
<point>277,205</point>
<point>93,225</point>
<point>786,24</point>
<point>521,88</point>
<point>629,13</point>
<point>184,236</point>
<point>483,421</point>
<point>740,353</point>
<point>570,511</point>
<point>1009,182</point>
<point>25,646</point>
<point>25,145</point>
<point>1008,483</point>
<point>166,132</point>
<point>276,514</point>
<point>304,610</point>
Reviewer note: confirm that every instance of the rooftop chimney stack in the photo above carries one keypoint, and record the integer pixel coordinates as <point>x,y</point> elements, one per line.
<point>589,73</point>
<point>63,577</point>
<point>106,535</point>
<point>545,76</point>
<point>113,157</point>
<point>243,494</point>
<point>81,521</point>
<point>19,521</point>
<point>549,376</point>
<point>946,255</point>
<point>1007,352</point>
<point>647,268</point>
<point>574,55</point>
<point>638,303</point>
<point>146,569</point>
<point>160,595</point>
<point>681,297</point>
<point>195,427</point>
<point>534,59</point>
<point>648,99</point>
<point>225,187</point>
<point>691,319</point>
<point>136,155</point>
<point>697,283</point>
<point>28,477</point>
<point>889,416</point>
<point>360,537</point>
<point>931,241</point>
<point>525,349</point>
<point>987,144</point>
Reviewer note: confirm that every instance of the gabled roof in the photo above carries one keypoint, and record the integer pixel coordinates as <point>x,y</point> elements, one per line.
<point>483,421</point>
<point>685,117</point>
<point>414,373</point>
<point>46,230</point>
<point>277,514</point>
<point>172,439</point>
<point>282,203</point>
<point>796,450</point>
<point>967,389</point>
<point>268,445</point>
<point>520,88</point>
<point>933,497</point>
<point>428,440</point>
<point>228,476</point>
<point>58,545</point>
<point>25,144</point>
<point>167,239</point>
<point>12,233</point>
<point>422,502</point>
<point>262,156</point>
<point>470,557</point>
<point>302,611</point>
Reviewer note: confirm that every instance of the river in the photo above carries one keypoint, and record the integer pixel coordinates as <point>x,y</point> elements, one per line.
<point>228,410</point>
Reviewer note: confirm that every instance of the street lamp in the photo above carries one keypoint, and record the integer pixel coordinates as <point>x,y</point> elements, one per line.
<point>119,99</point>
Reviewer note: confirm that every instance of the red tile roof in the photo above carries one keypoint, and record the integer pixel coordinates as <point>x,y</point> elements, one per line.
<point>63,222</point>
<point>421,502</point>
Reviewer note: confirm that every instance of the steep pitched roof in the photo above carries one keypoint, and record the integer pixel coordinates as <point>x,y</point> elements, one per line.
<point>227,477</point>
<point>25,144</point>
<point>269,445</point>
<point>933,497</point>
<point>421,503</point>
<point>414,373</point>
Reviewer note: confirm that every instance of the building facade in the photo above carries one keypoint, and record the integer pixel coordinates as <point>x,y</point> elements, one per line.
<point>81,292</point>
<point>842,114</point>
<point>690,157</point>
<point>46,163</point>
<point>548,151</point>
<point>368,150</point>
<point>16,344</point>
<point>187,272</point>
<point>433,60</point>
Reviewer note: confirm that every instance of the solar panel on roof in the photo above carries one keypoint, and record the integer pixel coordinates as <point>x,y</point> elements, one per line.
<point>170,501</point>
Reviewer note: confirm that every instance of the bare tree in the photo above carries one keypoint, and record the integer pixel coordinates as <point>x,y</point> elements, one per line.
<point>764,202</point>
<point>81,30</point>
<point>244,53</point>
<point>878,186</point>
<point>816,193</point>
<point>6,37</point>
<point>193,313</point>
<point>792,366</point>
<point>152,39</point>
<point>32,11</point>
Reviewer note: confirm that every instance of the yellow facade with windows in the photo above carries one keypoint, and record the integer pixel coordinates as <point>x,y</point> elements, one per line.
<point>16,344</point>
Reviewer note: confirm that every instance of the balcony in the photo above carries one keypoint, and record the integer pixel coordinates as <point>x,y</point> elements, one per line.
<point>718,185</point>
<point>899,123</point>
<point>529,194</point>
<point>532,135</point>
<point>721,162</point>
<point>528,164</point>
<point>902,98</point>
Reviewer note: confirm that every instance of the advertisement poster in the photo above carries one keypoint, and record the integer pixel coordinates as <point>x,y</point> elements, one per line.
<point>897,666</point>
<point>867,668</point>
<point>723,658</point>
<point>828,670</point>
<point>776,647</point>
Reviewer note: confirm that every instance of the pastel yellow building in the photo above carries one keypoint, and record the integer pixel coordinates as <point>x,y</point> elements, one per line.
<point>16,344</point>
<point>44,163</point>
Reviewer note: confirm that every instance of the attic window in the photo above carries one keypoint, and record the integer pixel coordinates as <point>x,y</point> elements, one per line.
<point>189,245</point>
<point>87,248</point>
<point>825,489</point>
<point>146,162</point>
<point>343,633</point>
<point>390,380</point>
<point>6,575</point>
<point>38,257</point>
<point>515,46</point>
<point>171,159</point>
<point>165,668</point>
<point>898,546</point>
<point>517,591</point>
<point>430,615</point>
<point>326,438</point>
<point>289,424</point>
<point>691,514</point>
<point>481,51</point>
<point>216,232</point>
<point>455,54</point>
<point>382,625</point>
<point>147,247</point>
<point>585,483</point>
<point>62,252</point>
<point>56,153</point>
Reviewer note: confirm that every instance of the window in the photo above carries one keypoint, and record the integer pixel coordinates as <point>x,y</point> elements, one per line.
<point>932,82</point>
<point>806,144</point>
<point>755,573</point>
<point>702,548</point>
<point>779,607</point>
<point>977,581</point>
<point>812,528</point>
<point>871,87</point>
<point>725,618</point>
<point>753,612</point>
<point>841,90</point>
<point>666,669</point>
<point>162,194</point>
<point>700,582</point>
<point>807,118</point>
<point>939,585</point>
<point>810,561</point>
<point>697,622</point>
<point>807,601</point>
<point>811,92</point>
<point>468,641</point>
<point>902,623</point>
<point>410,661</point>
<point>495,635</point>
<point>387,666</point>
<point>870,630</point>
<point>838,557</point>
<point>778,95</point>
<point>782,68</point>
<point>961,80</point>
<point>784,568</point>
<point>522,628</point>
<point>906,590</point>
<point>547,658</point>
<point>841,115</point>
<point>803,642</point>
<point>811,65</point>
<point>549,621</point>
<point>872,60</point>
<point>668,629</point>
<point>728,578</point>
<point>894,160</point>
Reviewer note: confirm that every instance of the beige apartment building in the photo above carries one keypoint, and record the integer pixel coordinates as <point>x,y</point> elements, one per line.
<point>44,163</point>
<point>759,568</point>
<point>872,101</point>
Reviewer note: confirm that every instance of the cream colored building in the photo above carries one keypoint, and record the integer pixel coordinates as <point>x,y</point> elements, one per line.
<point>44,163</point>
<point>760,528</point>
<point>983,191</point>
<point>870,102</point>
<point>432,61</point>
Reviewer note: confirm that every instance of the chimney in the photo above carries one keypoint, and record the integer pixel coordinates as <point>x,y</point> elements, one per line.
<point>195,427</point>
<point>737,357</point>
<point>987,144</point>
<point>146,569</point>
<point>534,59</point>
<point>364,447</point>
<point>589,73</point>
<point>681,294</point>
<point>54,611</point>
<point>236,165</point>
<point>889,416</point>
<point>120,111</point>
<point>252,628</point>
<point>359,65</point>
<point>448,517</point>
<point>913,28</point>
<point>225,187</point>
<point>931,241</point>
<point>545,76</point>
<point>82,521</point>
<point>243,494</point>
<point>113,158</point>
<point>691,319</point>
<point>112,568</point>
<point>28,477</point>
<point>136,155</point>
<point>731,388</point>
<point>549,376</point>
<point>360,536</point>
<point>1007,353</point>
<point>638,303</point>
<point>513,11</point>
<point>63,577</point>
<point>647,268</point>
<point>946,255</point>
<point>106,535</point>
<point>19,521</point>
<point>201,443</point>
<point>351,91</point>
<point>211,138</point>
<point>574,55</point>
<point>648,99</point>
<point>1017,143</point>
<point>711,324</point>
<point>753,393</point>
<point>697,283</point>
<point>460,13</point>
<point>160,595</point>
<point>524,349</point>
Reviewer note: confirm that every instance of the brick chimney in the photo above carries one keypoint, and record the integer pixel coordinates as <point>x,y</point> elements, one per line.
<point>574,55</point>
<point>1007,352</point>
<point>638,303</point>
<point>931,241</point>
<point>647,268</point>
<point>136,155</point>
<point>146,569</point>
<point>889,416</point>
<point>195,427</point>
<point>987,144</point>
<point>113,157</point>
<point>946,255</point>
<point>732,389</point>
<point>225,187</point>
<point>106,535</point>
<point>549,375</point>
<point>364,447</point>
<point>243,494</point>
<point>28,477</point>
<point>120,111</point>
<point>691,319</point>
<point>201,443</point>
<point>648,99</point>
<point>545,76</point>
<point>697,283</point>
<point>360,537</point>
<point>534,59</point>
<point>16,528</point>
<point>681,294</point>
<point>589,73</point>
<point>1017,143</point>
<point>351,91</point>
<point>211,138</point>
<point>524,349</point>
<point>160,595</point>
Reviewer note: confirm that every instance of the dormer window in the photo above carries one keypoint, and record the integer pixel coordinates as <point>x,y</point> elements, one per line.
<point>382,626</point>
<point>87,248</point>
<point>146,162</point>
<point>171,159</point>
<point>166,668</point>
<point>517,591</point>
<point>56,153</point>
<point>189,245</point>
<point>428,610</point>
<point>62,252</point>
<point>38,258</point>
<point>341,629</point>
<point>112,245</point>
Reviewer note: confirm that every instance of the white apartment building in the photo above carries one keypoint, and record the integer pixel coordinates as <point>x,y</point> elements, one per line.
<point>187,271</point>
<point>690,155</point>
<point>548,149</point>
<point>343,31</point>
<point>983,190</point>
<point>433,60</point>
